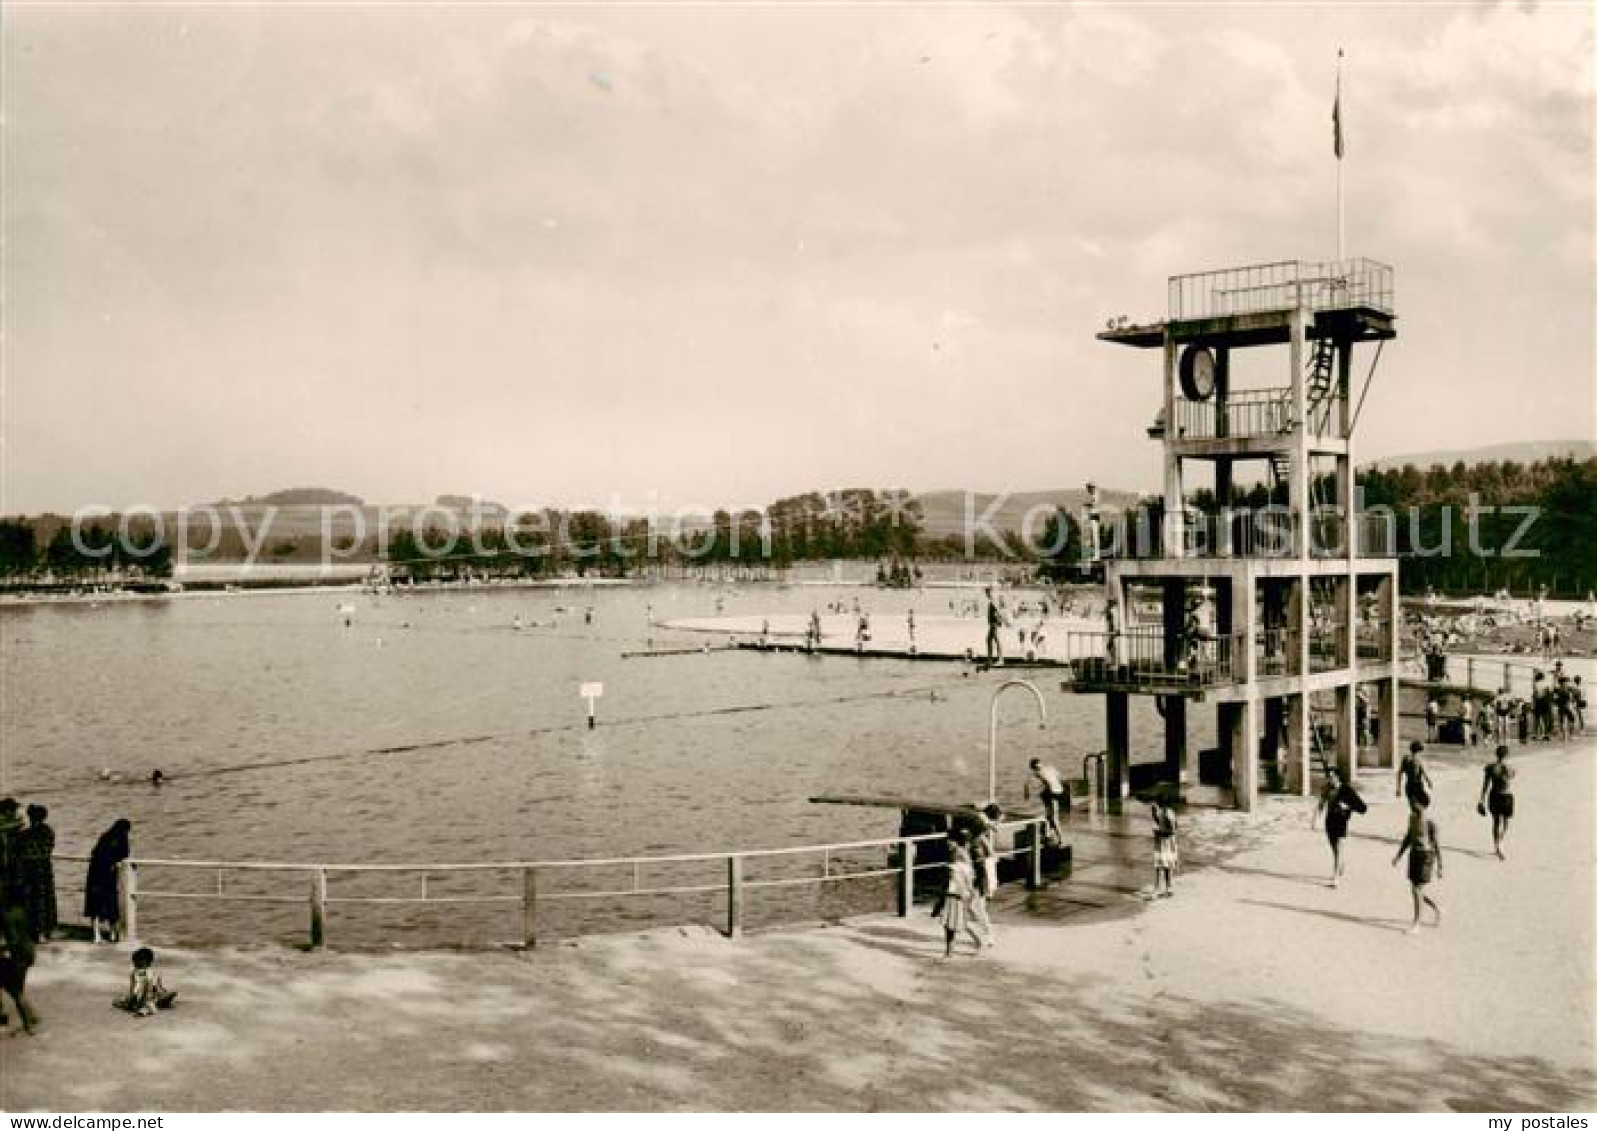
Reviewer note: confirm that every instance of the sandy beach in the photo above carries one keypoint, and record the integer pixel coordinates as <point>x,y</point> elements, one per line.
<point>1257,987</point>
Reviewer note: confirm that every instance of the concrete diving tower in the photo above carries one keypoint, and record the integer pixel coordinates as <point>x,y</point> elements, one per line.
<point>1277,603</point>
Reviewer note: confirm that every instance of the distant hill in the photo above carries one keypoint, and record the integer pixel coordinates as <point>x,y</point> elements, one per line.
<point>467,502</point>
<point>302,497</point>
<point>948,512</point>
<point>1519,452</point>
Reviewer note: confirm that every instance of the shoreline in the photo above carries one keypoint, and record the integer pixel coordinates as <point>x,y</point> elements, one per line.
<point>218,589</point>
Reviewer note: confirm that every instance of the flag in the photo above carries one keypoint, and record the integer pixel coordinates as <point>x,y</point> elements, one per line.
<point>1336,111</point>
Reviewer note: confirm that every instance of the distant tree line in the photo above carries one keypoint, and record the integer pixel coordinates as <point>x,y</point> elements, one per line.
<point>1460,528</point>
<point>1465,528</point>
<point>44,550</point>
<point>853,523</point>
<point>1490,526</point>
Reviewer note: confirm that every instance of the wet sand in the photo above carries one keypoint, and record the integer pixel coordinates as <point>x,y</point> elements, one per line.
<point>1257,987</point>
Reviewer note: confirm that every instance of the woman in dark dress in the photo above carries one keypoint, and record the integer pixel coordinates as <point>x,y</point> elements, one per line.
<point>37,866</point>
<point>100,903</point>
<point>1339,801</point>
<point>1424,861</point>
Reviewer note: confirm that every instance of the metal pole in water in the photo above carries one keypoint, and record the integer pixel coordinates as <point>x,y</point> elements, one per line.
<point>590,692</point>
<point>529,907</point>
<point>734,897</point>
<point>127,890</point>
<point>318,908</point>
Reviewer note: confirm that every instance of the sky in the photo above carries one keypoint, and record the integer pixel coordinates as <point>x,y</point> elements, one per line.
<point>667,254</point>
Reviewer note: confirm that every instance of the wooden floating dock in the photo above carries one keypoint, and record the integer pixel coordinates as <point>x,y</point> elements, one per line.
<point>898,654</point>
<point>699,651</point>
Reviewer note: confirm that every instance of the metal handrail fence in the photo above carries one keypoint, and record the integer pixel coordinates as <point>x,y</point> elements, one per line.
<point>539,881</point>
<point>1138,657</point>
<point>1285,285</point>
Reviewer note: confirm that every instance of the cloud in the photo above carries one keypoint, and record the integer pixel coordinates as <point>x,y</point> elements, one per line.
<point>484,232</point>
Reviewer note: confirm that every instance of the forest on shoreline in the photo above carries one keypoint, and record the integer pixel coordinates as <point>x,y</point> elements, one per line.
<point>1464,528</point>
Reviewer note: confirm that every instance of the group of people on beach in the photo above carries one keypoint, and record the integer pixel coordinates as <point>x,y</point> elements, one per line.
<point>1556,709</point>
<point>1030,641</point>
<point>28,909</point>
<point>1421,841</point>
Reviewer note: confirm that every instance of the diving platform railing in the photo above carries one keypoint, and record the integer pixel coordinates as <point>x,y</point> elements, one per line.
<point>528,886</point>
<point>1345,284</point>
<point>1252,414</point>
<point>1274,532</point>
<point>1141,659</point>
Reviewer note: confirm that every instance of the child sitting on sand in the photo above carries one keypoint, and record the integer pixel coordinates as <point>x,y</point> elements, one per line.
<point>145,994</point>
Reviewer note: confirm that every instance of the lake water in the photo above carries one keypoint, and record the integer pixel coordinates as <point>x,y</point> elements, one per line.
<point>429,730</point>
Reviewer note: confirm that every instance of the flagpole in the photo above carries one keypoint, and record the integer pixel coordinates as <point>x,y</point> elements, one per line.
<point>1341,216</point>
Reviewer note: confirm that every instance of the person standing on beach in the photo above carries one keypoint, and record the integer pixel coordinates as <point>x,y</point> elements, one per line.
<point>1052,792</point>
<point>1497,798</point>
<point>1424,861</point>
<point>1166,855</point>
<point>1432,710</point>
<point>1339,801</point>
<point>10,843</point>
<point>1563,708</point>
<point>995,621</point>
<point>958,896</point>
<point>37,849</point>
<point>1412,780</point>
<point>16,955</point>
<point>984,865</point>
<point>1541,703</point>
<point>100,903</point>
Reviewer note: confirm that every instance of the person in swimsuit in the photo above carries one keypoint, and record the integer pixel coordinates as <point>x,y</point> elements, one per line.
<point>1497,798</point>
<point>995,621</point>
<point>1412,780</point>
<point>1424,850</point>
<point>1053,792</point>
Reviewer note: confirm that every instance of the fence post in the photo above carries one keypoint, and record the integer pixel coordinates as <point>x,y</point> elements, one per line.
<point>1034,857</point>
<point>318,907</point>
<point>127,899</point>
<point>906,879</point>
<point>734,897</point>
<point>529,907</point>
